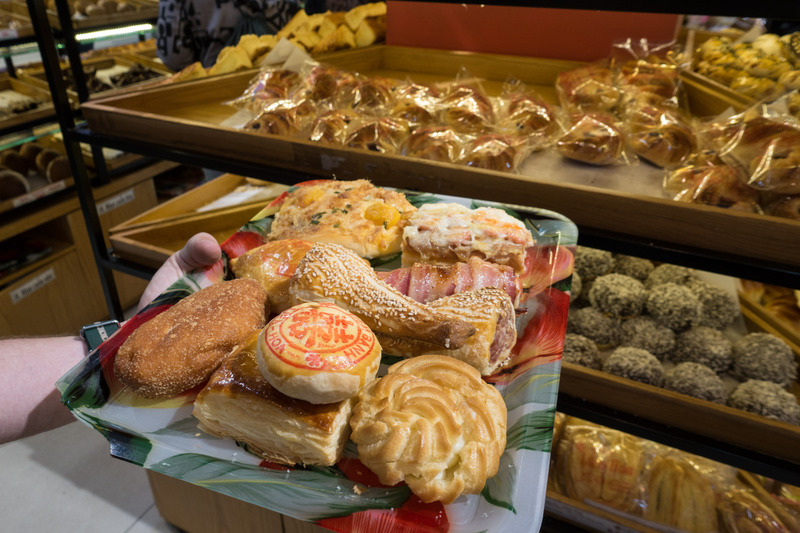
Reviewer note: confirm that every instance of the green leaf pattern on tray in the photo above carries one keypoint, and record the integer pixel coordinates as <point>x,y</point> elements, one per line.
<point>530,390</point>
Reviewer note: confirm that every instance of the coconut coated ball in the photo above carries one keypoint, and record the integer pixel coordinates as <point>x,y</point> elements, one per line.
<point>636,364</point>
<point>765,357</point>
<point>696,380</point>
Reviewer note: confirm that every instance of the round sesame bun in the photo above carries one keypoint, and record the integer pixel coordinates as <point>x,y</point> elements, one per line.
<point>318,352</point>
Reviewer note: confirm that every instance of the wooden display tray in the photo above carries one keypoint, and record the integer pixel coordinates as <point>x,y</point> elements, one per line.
<point>187,204</point>
<point>34,90</point>
<point>708,98</point>
<point>148,58</point>
<point>189,116</point>
<point>23,22</point>
<point>144,11</point>
<point>39,78</point>
<point>718,422</point>
<point>151,245</point>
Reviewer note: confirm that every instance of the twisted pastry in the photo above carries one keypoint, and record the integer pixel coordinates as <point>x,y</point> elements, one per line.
<point>332,273</point>
<point>433,423</point>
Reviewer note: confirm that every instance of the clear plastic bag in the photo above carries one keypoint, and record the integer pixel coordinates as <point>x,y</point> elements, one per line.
<point>595,138</point>
<point>658,134</point>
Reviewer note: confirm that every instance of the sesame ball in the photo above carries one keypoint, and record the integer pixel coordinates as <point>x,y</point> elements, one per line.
<point>636,364</point>
<point>719,307</point>
<point>645,333</point>
<point>591,262</point>
<point>635,267</point>
<point>704,345</point>
<point>576,287</point>
<point>666,273</point>
<point>618,295</point>
<point>764,357</point>
<point>767,399</point>
<point>673,306</point>
<point>592,323</point>
<point>580,350</point>
<point>696,380</point>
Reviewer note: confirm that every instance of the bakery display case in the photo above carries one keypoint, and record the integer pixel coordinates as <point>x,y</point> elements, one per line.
<point>190,123</point>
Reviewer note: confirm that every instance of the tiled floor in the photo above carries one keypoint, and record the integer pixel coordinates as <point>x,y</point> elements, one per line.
<point>65,480</point>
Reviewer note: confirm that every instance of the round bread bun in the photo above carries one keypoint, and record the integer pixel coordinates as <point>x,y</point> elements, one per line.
<point>29,151</point>
<point>12,159</point>
<point>318,352</point>
<point>180,348</point>
<point>43,159</point>
<point>58,169</point>
<point>12,184</point>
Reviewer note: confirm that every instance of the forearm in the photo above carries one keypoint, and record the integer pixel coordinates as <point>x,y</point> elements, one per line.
<point>29,401</point>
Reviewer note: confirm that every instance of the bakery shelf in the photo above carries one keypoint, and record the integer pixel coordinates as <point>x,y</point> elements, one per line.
<point>189,118</point>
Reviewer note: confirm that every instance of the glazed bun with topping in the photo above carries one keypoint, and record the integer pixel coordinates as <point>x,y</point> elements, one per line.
<point>318,352</point>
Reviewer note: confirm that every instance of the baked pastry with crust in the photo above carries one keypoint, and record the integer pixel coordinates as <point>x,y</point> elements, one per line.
<point>594,138</point>
<point>180,348</point>
<point>433,423</point>
<point>492,152</point>
<point>446,233</point>
<point>435,143</point>
<point>489,310</point>
<point>238,402</point>
<point>272,265</point>
<point>366,219</point>
<point>332,273</point>
<point>678,495</point>
<point>332,126</point>
<point>384,135</point>
<point>318,352</point>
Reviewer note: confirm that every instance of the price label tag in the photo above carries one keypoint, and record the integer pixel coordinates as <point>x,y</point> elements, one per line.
<point>28,288</point>
<point>116,201</point>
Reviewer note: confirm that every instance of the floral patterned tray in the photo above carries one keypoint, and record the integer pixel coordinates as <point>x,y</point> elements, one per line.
<point>163,436</point>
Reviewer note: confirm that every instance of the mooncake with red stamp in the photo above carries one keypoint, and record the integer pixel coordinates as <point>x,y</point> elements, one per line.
<point>318,352</point>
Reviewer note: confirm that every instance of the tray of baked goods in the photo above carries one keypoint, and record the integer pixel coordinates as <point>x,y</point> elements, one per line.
<point>22,102</point>
<point>104,76</point>
<point>753,67</point>
<point>358,355</point>
<point>95,13</point>
<point>674,345</point>
<point>409,117</point>
<point>14,25</point>
<point>31,170</point>
<point>607,480</point>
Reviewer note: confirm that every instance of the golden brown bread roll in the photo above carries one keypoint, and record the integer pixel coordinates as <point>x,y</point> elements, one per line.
<point>59,169</point>
<point>433,423</point>
<point>238,402</point>
<point>272,265</point>
<point>43,159</point>
<point>12,184</point>
<point>332,273</point>
<point>355,214</point>
<point>180,348</point>
<point>384,135</point>
<point>29,151</point>
<point>331,127</point>
<point>318,352</point>
<point>12,159</point>
<point>467,109</point>
<point>490,310</point>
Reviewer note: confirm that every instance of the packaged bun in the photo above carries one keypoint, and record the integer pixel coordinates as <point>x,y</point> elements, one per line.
<point>588,88</point>
<point>711,184</point>
<point>525,113</point>
<point>435,143</point>
<point>283,117</point>
<point>466,108</point>
<point>659,134</point>
<point>495,151</point>
<point>332,127</point>
<point>593,138</point>
<point>384,135</point>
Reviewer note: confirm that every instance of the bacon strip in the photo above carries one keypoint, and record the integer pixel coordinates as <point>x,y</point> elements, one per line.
<point>425,282</point>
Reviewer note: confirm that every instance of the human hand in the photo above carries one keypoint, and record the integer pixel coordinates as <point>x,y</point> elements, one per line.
<point>200,250</point>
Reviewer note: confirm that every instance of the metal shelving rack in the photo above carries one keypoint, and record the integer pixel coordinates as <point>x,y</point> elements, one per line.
<point>733,265</point>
